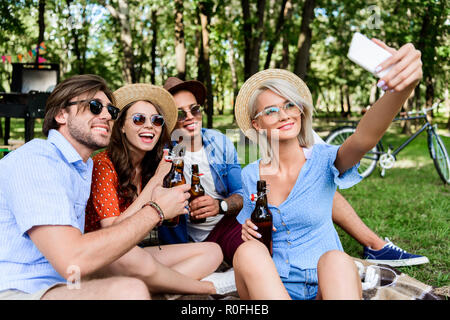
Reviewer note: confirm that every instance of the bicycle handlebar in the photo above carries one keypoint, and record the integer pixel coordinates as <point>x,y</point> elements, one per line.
<point>425,110</point>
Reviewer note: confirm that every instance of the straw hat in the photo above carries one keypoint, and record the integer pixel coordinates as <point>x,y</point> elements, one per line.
<point>173,84</point>
<point>148,92</point>
<point>252,84</point>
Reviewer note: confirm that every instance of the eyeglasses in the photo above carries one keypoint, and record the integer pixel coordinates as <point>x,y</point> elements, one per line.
<point>139,119</point>
<point>195,110</point>
<point>96,107</point>
<point>273,112</point>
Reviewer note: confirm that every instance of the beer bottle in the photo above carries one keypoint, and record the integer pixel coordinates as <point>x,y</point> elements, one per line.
<point>196,191</point>
<point>262,217</point>
<point>174,178</point>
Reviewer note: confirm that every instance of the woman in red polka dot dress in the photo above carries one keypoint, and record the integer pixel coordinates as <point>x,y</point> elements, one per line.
<point>123,178</point>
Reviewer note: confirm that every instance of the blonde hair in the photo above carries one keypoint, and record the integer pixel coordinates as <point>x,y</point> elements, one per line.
<point>288,91</point>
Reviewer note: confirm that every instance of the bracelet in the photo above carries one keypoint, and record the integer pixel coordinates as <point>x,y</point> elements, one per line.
<point>155,206</point>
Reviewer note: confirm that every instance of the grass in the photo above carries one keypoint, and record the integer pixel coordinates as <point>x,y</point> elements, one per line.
<point>410,205</point>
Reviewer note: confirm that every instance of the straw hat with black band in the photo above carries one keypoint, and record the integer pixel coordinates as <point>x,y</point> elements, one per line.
<point>242,106</point>
<point>174,84</point>
<point>154,94</point>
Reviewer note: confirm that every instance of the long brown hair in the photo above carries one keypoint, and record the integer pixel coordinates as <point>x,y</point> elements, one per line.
<point>119,152</point>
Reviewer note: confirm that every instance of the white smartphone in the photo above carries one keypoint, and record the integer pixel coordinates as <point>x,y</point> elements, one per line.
<point>367,54</point>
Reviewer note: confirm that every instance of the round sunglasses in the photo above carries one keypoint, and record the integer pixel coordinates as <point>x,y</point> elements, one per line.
<point>139,119</point>
<point>195,110</point>
<point>96,107</point>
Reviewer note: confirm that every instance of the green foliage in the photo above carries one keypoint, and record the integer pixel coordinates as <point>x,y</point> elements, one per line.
<point>99,47</point>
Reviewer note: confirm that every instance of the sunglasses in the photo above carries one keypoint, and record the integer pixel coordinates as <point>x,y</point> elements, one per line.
<point>96,107</point>
<point>194,110</point>
<point>139,119</point>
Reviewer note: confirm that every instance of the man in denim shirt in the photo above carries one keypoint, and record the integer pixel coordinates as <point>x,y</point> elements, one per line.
<point>221,174</point>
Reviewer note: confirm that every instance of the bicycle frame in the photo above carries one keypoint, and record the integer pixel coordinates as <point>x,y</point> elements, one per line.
<point>404,144</point>
<point>387,158</point>
<point>407,141</point>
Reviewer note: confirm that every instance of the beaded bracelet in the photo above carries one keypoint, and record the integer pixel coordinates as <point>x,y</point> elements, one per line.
<point>155,206</point>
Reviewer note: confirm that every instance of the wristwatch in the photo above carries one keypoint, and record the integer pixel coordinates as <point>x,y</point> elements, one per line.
<point>223,207</point>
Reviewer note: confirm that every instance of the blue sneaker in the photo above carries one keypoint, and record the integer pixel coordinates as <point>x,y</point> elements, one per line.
<point>393,256</point>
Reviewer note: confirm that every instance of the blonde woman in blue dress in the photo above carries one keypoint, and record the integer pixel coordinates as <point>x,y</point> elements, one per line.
<point>274,108</point>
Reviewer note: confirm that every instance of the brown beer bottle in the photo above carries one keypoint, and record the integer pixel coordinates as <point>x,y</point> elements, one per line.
<point>262,217</point>
<point>174,178</point>
<point>196,191</point>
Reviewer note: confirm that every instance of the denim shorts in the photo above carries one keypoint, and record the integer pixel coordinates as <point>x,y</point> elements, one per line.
<point>302,284</point>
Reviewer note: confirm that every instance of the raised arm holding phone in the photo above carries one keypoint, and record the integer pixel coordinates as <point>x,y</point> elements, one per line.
<point>308,259</point>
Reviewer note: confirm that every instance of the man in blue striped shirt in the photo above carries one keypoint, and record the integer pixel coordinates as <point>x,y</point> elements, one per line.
<point>44,188</point>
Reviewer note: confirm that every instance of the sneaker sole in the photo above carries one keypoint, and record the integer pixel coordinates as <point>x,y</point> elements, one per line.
<point>400,263</point>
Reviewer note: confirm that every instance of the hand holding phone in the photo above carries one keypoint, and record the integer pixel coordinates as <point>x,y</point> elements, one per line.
<point>397,69</point>
<point>368,55</point>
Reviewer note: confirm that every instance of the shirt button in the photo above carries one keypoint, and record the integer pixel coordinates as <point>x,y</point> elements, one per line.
<point>288,232</point>
<point>284,224</point>
<point>287,261</point>
<point>289,243</point>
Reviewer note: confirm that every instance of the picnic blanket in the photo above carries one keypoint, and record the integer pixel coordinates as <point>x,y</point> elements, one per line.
<point>391,284</point>
<point>396,285</point>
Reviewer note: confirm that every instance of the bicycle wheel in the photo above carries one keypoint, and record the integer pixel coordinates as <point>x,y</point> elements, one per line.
<point>439,155</point>
<point>368,163</point>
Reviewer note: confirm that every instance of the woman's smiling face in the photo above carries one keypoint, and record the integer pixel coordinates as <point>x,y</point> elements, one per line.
<point>142,137</point>
<point>277,115</point>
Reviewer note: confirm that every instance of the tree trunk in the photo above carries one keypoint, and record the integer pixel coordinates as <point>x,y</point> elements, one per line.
<point>283,63</point>
<point>123,17</point>
<point>204,68</point>
<point>253,35</point>
<point>85,48</point>
<point>421,44</point>
<point>373,94</point>
<point>180,49</point>
<point>429,93</point>
<point>41,23</point>
<point>220,97</point>
<point>234,76</point>
<point>247,28</point>
<point>153,46</point>
<point>447,104</point>
<point>347,99</point>
<point>406,125</point>
<point>126,38</point>
<point>304,40</point>
<point>341,98</point>
<point>278,28</point>
<point>76,41</point>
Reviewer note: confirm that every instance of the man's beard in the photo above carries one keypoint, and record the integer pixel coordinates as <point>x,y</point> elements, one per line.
<point>88,139</point>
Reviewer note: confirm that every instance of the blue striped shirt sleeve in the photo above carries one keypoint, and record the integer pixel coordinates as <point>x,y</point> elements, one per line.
<point>37,196</point>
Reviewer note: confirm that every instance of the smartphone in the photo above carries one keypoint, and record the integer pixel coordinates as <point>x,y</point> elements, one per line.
<point>367,54</point>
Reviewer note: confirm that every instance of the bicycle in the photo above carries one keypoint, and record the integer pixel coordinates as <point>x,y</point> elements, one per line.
<point>387,158</point>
